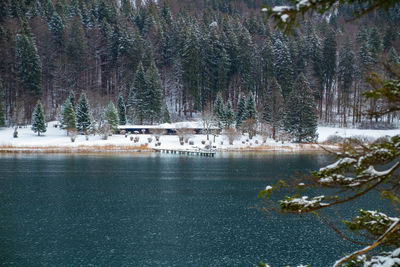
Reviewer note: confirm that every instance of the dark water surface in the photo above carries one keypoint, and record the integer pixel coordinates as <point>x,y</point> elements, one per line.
<point>156,210</point>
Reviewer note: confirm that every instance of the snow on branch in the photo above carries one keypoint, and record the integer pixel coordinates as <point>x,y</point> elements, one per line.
<point>302,204</point>
<point>287,16</point>
<point>393,227</point>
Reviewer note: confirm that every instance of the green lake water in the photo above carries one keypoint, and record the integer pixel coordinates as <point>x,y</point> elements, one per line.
<point>157,210</point>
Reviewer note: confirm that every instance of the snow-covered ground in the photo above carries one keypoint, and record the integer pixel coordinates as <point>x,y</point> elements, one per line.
<point>325,132</point>
<point>56,139</point>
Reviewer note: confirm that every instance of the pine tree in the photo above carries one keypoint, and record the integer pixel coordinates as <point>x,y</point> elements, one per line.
<point>71,98</point>
<point>283,67</point>
<point>28,65</point>
<point>111,116</point>
<point>127,9</point>
<point>136,105</point>
<point>240,112</point>
<point>229,115</point>
<point>2,108</point>
<point>274,107</point>
<point>2,111</point>
<point>68,116</point>
<point>366,57</point>
<point>57,26</point>
<point>148,57</point>
<point>231,45</point>
<point>219,111</point>
<point>153,95</point>
<point>191,67</point>
<point>375,43</point>
<point>268,61</point>
<point>223,67</point>
<point>76,47</point>
<point>329,55</point>
<point>166,13</point>
<point>362,35</point>
<point>346,67</point>
<point>301,118</point>
<point>389,37</point>
<point>114,46</point>
<point>121,110</point>
<point>345,76</point>
<point>392,56</point>
<point>130,48</point>
<point>215,67</point>
<point>251,112</point>
<point>166,118</point>
<point>83,116</point>
<point>245,58</point>
<point>38,122</point>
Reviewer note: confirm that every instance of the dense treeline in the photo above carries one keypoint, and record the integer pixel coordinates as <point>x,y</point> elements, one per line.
<point>174,57</point>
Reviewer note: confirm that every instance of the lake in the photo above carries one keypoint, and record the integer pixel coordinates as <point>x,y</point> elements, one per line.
<point>157,210</point>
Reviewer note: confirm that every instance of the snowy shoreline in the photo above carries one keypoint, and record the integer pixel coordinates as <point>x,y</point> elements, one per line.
<point>142,149</point>
<point>55,140</point>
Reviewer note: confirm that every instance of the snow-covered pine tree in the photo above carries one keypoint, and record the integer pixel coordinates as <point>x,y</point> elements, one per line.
<point>229,115</point>
<point>83,116</point>
<point>301,118</point>
<point>111,116</point>
<point>121,110</point>
<point>219,111</point>
<point>68,116</point>
<point>392,57</point>
<point>131,48</point>
<point>283,66</point>
<point>274,107</point>
<point>366,57</point>
<point>38,122</point>
<point>57,26</point>
<point>375,43</point>
<point>251,112</point>
<point>240,112</point>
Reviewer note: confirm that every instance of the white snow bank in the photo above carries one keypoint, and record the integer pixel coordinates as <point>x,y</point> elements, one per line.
<point>55,137</point>
<point>325,132</point>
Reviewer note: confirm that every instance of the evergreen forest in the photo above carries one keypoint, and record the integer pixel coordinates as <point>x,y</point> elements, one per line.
<point>174,60</point>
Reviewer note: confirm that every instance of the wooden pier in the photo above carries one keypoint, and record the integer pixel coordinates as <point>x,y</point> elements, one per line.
<point>192,152</point>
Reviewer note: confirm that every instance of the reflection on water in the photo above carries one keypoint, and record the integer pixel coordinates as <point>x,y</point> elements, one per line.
<point>154,209</point>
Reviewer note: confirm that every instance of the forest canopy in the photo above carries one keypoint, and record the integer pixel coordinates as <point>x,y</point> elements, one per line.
<point>175,57</point>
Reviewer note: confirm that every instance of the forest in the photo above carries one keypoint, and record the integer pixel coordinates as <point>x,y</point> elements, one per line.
<point>177,59</point>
